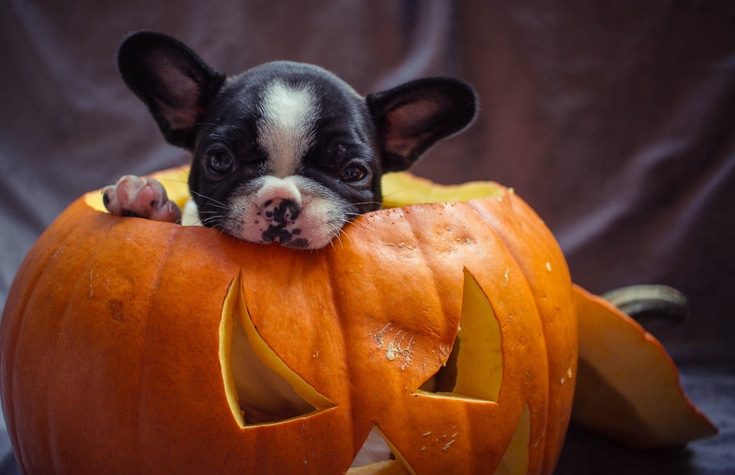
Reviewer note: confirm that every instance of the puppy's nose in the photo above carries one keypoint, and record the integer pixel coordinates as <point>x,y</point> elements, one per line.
<point>281,211</point>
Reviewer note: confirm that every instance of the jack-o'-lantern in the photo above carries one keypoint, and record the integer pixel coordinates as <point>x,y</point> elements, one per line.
<point>447,330</point>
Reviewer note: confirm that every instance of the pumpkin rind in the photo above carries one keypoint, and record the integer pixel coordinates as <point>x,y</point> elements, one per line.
<point>638,401</point>
<point>110,342</point>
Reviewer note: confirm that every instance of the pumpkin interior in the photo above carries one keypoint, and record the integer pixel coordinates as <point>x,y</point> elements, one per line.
<point>399,189</point>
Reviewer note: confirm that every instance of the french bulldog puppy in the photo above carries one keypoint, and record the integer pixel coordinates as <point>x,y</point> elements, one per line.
<point>284,152</point>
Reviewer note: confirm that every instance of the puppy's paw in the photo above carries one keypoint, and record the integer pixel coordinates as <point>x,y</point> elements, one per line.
<point>140,196</point>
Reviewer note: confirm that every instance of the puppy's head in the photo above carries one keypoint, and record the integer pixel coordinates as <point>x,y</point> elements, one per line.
<point>286,152</point>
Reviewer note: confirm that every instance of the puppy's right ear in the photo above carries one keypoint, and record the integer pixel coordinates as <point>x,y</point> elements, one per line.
<point>171,80</point>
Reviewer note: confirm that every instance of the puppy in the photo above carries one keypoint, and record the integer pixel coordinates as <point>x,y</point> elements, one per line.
<point>284,152</point>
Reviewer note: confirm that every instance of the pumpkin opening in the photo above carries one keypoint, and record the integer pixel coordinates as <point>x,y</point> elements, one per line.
<point>474,368</point>
<point>260,387</point>
<point>388,467</point>
<point>399,189</point>
<point>378,456</point>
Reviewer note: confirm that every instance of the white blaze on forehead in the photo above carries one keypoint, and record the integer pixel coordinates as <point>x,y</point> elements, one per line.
<point>286,130</point>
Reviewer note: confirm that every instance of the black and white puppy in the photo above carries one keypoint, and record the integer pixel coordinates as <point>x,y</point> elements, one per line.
<point>284,152</point>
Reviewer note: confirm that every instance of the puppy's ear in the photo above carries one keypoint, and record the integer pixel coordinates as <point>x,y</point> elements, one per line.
<point>410,118</point>
<point>171,80</point>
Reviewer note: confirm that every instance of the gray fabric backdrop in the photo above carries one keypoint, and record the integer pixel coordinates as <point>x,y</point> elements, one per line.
<point>614,120</point>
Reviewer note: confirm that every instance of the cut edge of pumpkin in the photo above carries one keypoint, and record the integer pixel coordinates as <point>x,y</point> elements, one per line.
<point>474,369</point>
<point>239,337</point>
<point>480,339</point>
<point>404,189</point>
<point>226,330</point>
<point>517,455</point>
<point>397,466</point>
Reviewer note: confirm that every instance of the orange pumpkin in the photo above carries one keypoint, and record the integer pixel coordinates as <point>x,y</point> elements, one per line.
<point>122,343</point>
<point>447,329</point>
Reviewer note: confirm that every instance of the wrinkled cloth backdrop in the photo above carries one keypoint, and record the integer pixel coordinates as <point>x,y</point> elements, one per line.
<point>614,120</point>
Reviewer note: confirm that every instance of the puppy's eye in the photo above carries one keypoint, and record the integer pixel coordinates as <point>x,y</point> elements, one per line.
<point>219,161</point>
<point>353,173</point>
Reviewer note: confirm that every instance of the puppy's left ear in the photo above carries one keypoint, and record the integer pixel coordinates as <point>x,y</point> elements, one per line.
<point>410,118</point>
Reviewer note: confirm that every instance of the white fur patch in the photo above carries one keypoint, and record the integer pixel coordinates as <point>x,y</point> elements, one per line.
<point>190,214</point>
<point>287,128</point>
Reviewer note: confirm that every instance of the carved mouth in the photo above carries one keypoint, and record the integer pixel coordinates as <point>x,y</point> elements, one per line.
<point>250,368</point>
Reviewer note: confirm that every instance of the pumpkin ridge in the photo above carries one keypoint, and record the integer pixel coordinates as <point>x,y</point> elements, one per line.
<point>10,330</point>
<point>149,344</point>
<point>27,281</point>
<point>362,423</point>
<point>527,239</point>
<point>491,213</point>
<point>426,261</point>
<point>131,233</point>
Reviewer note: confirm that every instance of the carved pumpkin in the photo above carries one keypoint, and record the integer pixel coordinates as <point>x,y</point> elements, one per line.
<point>449,330</point>
<point>120,343</point>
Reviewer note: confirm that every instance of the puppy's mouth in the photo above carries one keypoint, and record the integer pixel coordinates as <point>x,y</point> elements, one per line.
<point>309,222</point>
<point>295,212</point>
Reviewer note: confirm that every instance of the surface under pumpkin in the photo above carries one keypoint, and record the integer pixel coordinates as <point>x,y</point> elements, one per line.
<point>122,343</point>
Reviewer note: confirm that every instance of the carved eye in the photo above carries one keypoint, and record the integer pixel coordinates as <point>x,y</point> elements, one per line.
<point>353,173</point>
<point>219,161</point>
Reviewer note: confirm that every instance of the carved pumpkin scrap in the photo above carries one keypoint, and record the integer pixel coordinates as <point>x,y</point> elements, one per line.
<point>448,330</point>
<point>635,399</point>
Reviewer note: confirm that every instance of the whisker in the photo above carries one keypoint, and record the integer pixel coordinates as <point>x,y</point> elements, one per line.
<point>212,220</point>
<point>343,233</point>
<point>336,237</point>
<point>210,199</point>
<point>366,226</point>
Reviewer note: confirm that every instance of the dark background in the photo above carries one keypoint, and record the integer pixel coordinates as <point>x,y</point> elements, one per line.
<point>614,120</point>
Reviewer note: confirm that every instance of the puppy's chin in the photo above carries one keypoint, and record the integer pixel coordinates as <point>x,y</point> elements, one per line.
<point>318,221</point>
